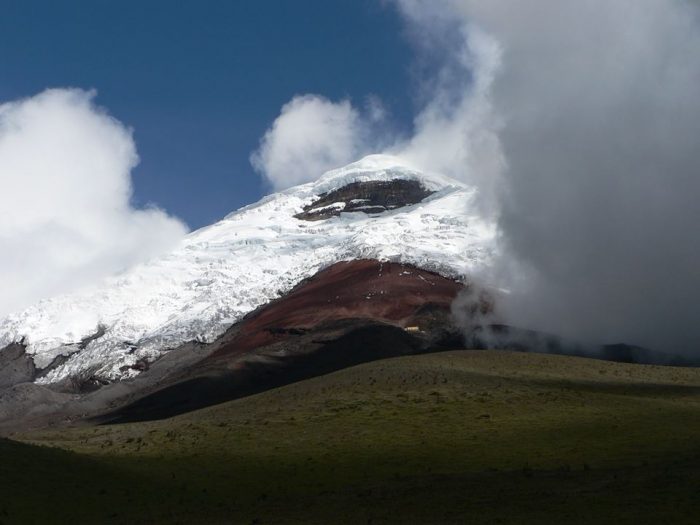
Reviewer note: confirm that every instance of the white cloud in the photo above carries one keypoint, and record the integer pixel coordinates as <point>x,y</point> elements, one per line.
<point>311,136</point>
<point>592,128</point>
<point>65,183</point>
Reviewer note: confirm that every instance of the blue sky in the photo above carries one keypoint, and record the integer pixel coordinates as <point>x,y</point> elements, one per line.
<point>200,82</point>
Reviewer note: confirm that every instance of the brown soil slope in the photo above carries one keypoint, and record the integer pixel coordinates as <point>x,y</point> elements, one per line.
<point>366,289</point>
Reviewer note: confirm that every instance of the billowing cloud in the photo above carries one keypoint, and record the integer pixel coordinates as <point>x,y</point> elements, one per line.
<point>311,135</point>
<point>65,181</point>
<point>596,116</point>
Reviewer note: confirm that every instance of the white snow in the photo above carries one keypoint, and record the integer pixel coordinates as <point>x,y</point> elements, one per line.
<point>222,272</point>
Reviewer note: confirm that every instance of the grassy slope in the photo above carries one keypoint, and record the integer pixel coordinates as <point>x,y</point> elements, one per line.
<point>497,437</point>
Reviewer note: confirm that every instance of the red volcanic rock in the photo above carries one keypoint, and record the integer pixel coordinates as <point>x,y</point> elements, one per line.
<point>381,291</point>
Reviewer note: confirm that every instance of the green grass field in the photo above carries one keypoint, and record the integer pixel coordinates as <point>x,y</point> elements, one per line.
<point>458,437</point>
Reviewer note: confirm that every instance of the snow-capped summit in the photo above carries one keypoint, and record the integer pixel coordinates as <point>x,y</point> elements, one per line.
<point>377,208</point>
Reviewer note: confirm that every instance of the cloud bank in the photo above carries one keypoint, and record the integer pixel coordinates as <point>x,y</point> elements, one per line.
<point>596,111</point>
<point>580,124</point>
<point>65,181</point>
<point>602,139</point>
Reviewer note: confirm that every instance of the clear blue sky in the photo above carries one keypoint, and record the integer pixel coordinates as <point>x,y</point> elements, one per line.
<point>200,81</point>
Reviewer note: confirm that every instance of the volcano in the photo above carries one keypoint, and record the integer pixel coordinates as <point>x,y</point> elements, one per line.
<point>293,281</point>
<point>347,314</point>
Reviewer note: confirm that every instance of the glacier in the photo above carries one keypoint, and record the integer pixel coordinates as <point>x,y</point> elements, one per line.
<point>222,272</point>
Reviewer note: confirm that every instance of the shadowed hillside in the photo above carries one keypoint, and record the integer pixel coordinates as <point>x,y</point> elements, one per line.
<point>488,437</point>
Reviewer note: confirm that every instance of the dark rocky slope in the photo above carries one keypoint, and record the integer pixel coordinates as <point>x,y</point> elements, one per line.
<point>15,366</point>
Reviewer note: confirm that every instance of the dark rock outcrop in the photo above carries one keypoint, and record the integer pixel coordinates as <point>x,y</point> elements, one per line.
<point>368,197</point>
<point>15,366</point>
<point>84,342</point>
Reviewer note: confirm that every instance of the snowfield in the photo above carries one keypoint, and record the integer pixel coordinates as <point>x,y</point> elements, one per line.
<point>221,272</point>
